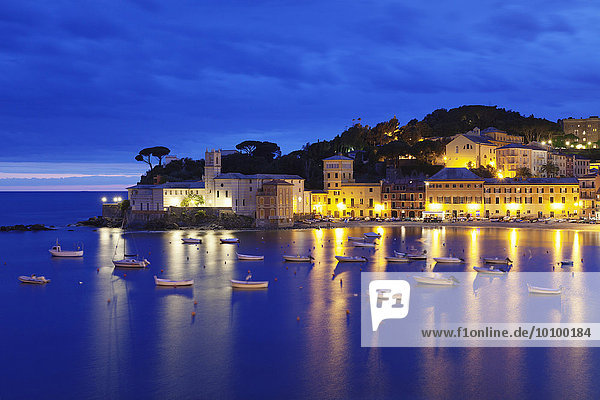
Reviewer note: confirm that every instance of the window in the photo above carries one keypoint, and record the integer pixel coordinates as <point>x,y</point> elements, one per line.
<point>217,194</point>
<point>371,190</point>
<point>226,193</point>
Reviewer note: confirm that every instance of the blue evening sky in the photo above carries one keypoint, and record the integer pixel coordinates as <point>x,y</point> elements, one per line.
<point>86,84</point>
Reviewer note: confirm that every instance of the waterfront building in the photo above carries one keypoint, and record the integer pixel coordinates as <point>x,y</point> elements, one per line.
<point>532,198</point>
<point>586,129</point>
<point>514,156</point>
<point>403,198</point>
<point>234,191</point>
<point>588,190</point>
<point>560,161</point>
<point>458,193</point>
<point>275,204</point>
<point>501,138</point>
<point>344,196</point>
<point>453,193</point>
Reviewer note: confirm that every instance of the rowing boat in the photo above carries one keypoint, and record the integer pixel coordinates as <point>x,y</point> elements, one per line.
<point>490,271</point>
<point>397,259</point>
<point>191,241</point>
<point>248,257</point>
<point>168,282</point>
<point>543,290</point>
<point>37,280</point>
<point>229,240</point>
<point>249,284</point>
<point>298,258</point>
<point>351,258</point>
<point>436,279</point>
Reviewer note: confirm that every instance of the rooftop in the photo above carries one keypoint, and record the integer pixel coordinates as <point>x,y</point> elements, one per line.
<point>172,185</point>
<point>478,139</point>
<point>454,174</point>
<point>278,182</point>
<point>532,181</point>
<point>491,129</point>
<point>237,175</point>
<point>338,157</point>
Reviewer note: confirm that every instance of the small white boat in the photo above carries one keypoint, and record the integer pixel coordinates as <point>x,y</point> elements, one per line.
<point>397,259</point>
<point>363,244</point>
<point>248,257</point>
<point>37,280</point>
<point>298,258</point>
<point>57,251</point>
<point>351,259</point>
<point>191,241</point>
<point>355,238</point>
<point>497,260</point>
<point>372,235</point>
<point>399,254</point>
<point>230,240</point>
<point>417,256</point>
<point>542,290</point>
<point>566,263</point>
<point>436,279</point>
<point>131,261</point>
<point>490,270</point>
<point>449,260</point>
<point>168,282</point>
<point>249,284</point>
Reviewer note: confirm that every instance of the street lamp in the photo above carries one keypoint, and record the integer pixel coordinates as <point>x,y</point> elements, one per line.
<point>104,199</point>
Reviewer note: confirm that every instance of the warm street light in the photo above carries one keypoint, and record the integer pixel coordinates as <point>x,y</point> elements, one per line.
<point>104,199</point>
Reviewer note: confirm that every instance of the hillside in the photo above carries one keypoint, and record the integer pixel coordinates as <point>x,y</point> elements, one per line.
<point>373,147</point>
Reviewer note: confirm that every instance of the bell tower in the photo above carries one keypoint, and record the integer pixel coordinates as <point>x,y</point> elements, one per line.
<point>212,168</point>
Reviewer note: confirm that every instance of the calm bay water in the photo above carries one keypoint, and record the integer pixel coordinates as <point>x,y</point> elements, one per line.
<point>51,208</point>
<point>65,340</point>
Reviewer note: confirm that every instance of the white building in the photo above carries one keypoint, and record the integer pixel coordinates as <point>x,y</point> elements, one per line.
<point>224,190</point>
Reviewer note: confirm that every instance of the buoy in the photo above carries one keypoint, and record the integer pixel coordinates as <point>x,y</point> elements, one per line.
<point>80,282</point>
<point>108,301</point>
<point>162,271</point>
<point>286,267</point>
<point>193,313</point>
<point>124,275</point>
<point>195,303</point>
<point>294,272</point>
<point>97,269</point>
<point>275,279</point>
<point>297,318</point>
<point>333,275</point>
<point>347,312</point>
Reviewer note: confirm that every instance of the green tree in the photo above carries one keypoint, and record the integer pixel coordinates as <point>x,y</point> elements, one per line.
<point>523,172</point>
<point>550,169</point>
<point>486,171</point>
<point>192,200</point>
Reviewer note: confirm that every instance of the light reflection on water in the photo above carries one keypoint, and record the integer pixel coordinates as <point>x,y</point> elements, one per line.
<point>145,342</point>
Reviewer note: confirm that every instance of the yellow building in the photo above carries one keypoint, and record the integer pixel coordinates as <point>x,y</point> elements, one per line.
<point>344,197</point>
<point>532,198</point>
<point>453,193</point>
<point>458,193</point>
<point>588,193</point>
<point>470,149</point>
<point>275,204</point>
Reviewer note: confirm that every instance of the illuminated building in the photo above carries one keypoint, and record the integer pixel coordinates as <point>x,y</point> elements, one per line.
<point>404,198</point>
<point>454,193</point>
<point>344,197</point>
<point>585,129</point>
<point>274,204</point>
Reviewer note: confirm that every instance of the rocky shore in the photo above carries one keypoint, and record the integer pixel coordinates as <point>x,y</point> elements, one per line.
<point>25,228</point>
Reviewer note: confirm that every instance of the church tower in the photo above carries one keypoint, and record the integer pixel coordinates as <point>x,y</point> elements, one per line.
<point>212,168</point>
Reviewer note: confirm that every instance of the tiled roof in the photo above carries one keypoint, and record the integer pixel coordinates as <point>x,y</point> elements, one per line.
<point>454,174</point>
<point>479,139</point>
<point>237,175</point>
<point>172,185</point>
<point>491,129</point>
<point>533,181</point>
<point>337,158</point>
<point>513,146</point>
<point>278,182</point>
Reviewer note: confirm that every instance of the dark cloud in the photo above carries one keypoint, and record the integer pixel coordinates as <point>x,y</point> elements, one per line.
<point>98,80</point>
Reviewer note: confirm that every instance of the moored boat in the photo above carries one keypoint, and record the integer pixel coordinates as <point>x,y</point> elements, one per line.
<point>57,251</point>
<point>497,260</point>
<point>566,263</point>
<point>37,280</point>
<point>490,270</point>
<point>191,240</point>
<point>543,290</point>
<point>351,259</point>
<point>372,235</point>
<point>437,279</point>
<point>298,258</point>
<point>248,257</point>
<point>363,244</point>
<point>249,284</point>
<point>168,282</point>
<point>397,259</point>
<point>449,260</point>
<point>229,240</point>
<point>131,261</point>
<point>355,238</point>
<point>399,254</point>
